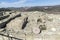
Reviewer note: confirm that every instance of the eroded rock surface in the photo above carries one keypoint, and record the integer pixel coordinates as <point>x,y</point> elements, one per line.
<point>30,26</point>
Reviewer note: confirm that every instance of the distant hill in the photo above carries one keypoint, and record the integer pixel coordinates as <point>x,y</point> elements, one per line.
<point>4,9</point>
<point>36,8</point>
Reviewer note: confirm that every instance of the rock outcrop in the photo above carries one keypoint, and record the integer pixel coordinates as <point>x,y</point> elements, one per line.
<point>30,26</point>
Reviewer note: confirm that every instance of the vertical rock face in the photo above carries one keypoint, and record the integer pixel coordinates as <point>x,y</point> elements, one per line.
<point>30,26</point>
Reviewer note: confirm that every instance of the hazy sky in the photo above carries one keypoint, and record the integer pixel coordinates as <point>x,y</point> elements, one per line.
<point>22,3</point>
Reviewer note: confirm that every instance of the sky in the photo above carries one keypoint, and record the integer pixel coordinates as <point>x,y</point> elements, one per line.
<point>28,3</point>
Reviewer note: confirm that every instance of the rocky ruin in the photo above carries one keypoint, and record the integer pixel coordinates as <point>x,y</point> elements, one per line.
<point>29,26</point>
